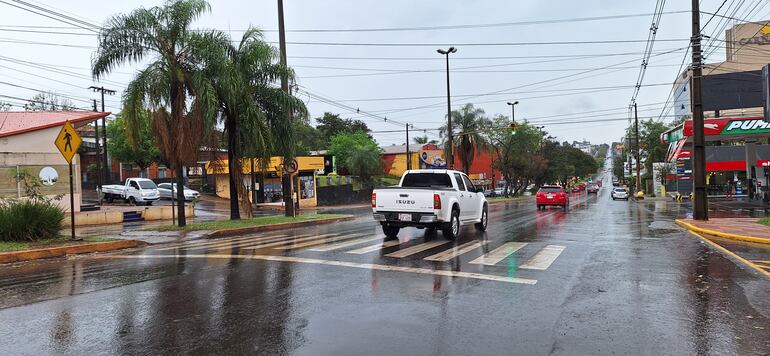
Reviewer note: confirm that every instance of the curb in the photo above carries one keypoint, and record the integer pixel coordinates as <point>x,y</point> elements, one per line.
<point>291,225</point>
<point>28,255</point>
<point>726,235</point>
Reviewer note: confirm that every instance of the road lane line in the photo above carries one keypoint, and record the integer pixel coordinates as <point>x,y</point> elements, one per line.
<point>319,242</point>
<point>498,254</point>
<point>377,247</point>
<point>543,258</point>
<point>315,261</point>
<point>456,251</point>
<point>207,241</point>
<point>295,241</point>
<point>416,249</point>
<point>258,242</point>
<point>244,242</point>
<point>344,244</point>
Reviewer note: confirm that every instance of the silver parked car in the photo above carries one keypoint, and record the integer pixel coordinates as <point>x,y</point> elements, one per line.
<point>165,192</point>
<point>619,193</point>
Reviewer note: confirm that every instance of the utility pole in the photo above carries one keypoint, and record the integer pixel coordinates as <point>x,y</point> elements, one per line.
<point>408,156</point>
<point>451,158</point>
<point>638,150</point>
<point>98,159</point>
<point>107,173</point>
<point>700,205</point>
<point>287,184</point>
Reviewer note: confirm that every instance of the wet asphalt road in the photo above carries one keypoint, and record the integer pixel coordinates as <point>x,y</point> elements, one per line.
<point>603,278</point>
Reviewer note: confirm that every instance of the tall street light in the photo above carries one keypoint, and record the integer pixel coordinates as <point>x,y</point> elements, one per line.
<point>512,104</point>
<point>451,157</point>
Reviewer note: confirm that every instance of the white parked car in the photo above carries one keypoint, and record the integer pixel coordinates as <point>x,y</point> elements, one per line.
<point>433,199</point>
<point>165,190</point>
<point>619,193</point>
<point>135,191</point>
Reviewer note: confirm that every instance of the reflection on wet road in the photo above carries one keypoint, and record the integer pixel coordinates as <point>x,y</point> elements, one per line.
<point>603,277</point>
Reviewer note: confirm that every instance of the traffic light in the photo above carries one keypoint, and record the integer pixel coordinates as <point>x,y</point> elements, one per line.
<point>513,128</point>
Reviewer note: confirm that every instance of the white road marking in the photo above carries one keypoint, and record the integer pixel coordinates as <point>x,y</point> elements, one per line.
<point>377,247</point>
<point>202,242</point>
<point>340,264</point>
<point>293,242</point>
<point>245,242</point>
<point>498,254</point>
<point>260,242</point>
<point>416,249</point>
<point>543,258</point>
<point>456,251</point>
<point>318,242</point>
<point>344,244</point>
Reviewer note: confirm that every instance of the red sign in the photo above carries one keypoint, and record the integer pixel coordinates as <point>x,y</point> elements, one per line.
<point>714,127</point>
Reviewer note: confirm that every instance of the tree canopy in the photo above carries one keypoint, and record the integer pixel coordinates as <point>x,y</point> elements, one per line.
<point>358,146</point>
<point>143,152</point>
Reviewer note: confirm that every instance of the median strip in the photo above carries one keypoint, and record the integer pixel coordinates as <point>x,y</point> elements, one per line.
<point>51,252</point>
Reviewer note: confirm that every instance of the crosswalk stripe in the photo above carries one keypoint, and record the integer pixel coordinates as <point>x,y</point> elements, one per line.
<point>377,247</point>
<point>543,258</point>
<point>319,242</point>
<point>456,251</point>
<point>213,242</point>
<point>498,254</point>
<point>344,244</point>
<point>293,242</point>
<point>416,249</point>
<point>253,242</point>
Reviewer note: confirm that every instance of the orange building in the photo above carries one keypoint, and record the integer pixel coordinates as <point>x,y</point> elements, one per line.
<point>432,156</point>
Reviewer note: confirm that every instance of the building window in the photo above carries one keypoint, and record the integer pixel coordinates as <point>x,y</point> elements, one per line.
<point>162,172</point>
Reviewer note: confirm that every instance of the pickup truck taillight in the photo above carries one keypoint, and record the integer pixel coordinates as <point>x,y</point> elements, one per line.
<point>374,200</point>
<point>436,201</point>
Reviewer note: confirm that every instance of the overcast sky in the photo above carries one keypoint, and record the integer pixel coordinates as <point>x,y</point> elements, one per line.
<point>574,82</point>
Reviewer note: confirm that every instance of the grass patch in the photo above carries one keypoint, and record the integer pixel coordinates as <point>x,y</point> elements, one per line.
<point>10,246</point>
<point>234,224</point>
<point>764,221</point>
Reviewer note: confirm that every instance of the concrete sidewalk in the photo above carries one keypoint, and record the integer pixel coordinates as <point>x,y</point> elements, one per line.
<point>743,229</point>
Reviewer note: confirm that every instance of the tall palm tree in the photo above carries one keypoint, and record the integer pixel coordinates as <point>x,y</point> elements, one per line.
<point>173,85</point>
<point>423,140</point>
<point>253,109</point>
<point>468,125</point>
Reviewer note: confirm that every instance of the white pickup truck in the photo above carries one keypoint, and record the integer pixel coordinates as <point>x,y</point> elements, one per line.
<point>135,191</point>
<point>432,199</point>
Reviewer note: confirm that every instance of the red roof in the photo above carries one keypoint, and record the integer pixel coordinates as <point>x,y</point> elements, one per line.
<point>17,122</point>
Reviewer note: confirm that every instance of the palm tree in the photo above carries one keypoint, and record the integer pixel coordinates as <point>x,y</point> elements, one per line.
<point>173,76</point>
<point>253,109</point>
<point>423,140</point>
<point>467,130</point>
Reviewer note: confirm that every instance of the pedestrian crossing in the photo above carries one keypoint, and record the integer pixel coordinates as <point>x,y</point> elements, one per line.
<point>358,242</point>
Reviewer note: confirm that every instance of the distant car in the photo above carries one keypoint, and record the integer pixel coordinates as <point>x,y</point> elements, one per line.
<point>165,192</point>
<point>552,195</point>
<point>619,193</point>
<point>497,192</point>
<point>615,183</point>
<point>592,188</point>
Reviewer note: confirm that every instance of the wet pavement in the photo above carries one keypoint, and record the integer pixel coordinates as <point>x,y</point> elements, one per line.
<point>604,277</point>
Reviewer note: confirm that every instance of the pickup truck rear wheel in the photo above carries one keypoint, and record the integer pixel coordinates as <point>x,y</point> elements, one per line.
<point>108,198</point>
<point>452,229</point>
<point>482,225</point>
<point>390,231</point>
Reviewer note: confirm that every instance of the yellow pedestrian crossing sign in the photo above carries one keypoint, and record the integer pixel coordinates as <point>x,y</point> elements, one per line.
<point>68,141</point>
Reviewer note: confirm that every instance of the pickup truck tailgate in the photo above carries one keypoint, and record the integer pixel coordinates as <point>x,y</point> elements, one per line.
<point>404,200</point>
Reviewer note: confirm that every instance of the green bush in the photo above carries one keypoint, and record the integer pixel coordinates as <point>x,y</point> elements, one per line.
<point>30,220</point>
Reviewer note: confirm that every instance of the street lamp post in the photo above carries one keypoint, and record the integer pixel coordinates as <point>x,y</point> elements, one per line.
<point>513,116</point>
<point>451,160</point>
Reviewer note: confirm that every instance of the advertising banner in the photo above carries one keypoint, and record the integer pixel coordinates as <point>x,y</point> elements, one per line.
<point>730,126</point>
<point>432,157</point>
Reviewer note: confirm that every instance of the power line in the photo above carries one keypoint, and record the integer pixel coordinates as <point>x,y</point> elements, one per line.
<point>89,28</point>
<point>659,4</point>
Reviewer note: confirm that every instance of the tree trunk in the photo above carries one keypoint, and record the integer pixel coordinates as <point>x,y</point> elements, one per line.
<point>180,194</point>
<point>233,166</point>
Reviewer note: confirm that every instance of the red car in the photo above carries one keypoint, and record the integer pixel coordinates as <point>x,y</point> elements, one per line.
<point>551,195</point>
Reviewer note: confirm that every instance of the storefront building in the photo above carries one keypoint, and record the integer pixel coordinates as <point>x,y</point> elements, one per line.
<point>268,182</point>
<point>431,156</point>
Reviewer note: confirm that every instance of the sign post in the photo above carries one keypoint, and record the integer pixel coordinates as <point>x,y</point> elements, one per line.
<point>68,141</point>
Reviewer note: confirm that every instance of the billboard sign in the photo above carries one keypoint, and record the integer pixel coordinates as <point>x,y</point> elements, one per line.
<point>432,157</point>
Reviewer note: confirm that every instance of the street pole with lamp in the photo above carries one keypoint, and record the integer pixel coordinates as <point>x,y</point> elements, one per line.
<point>451,158</point>
<point>513,116</point>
